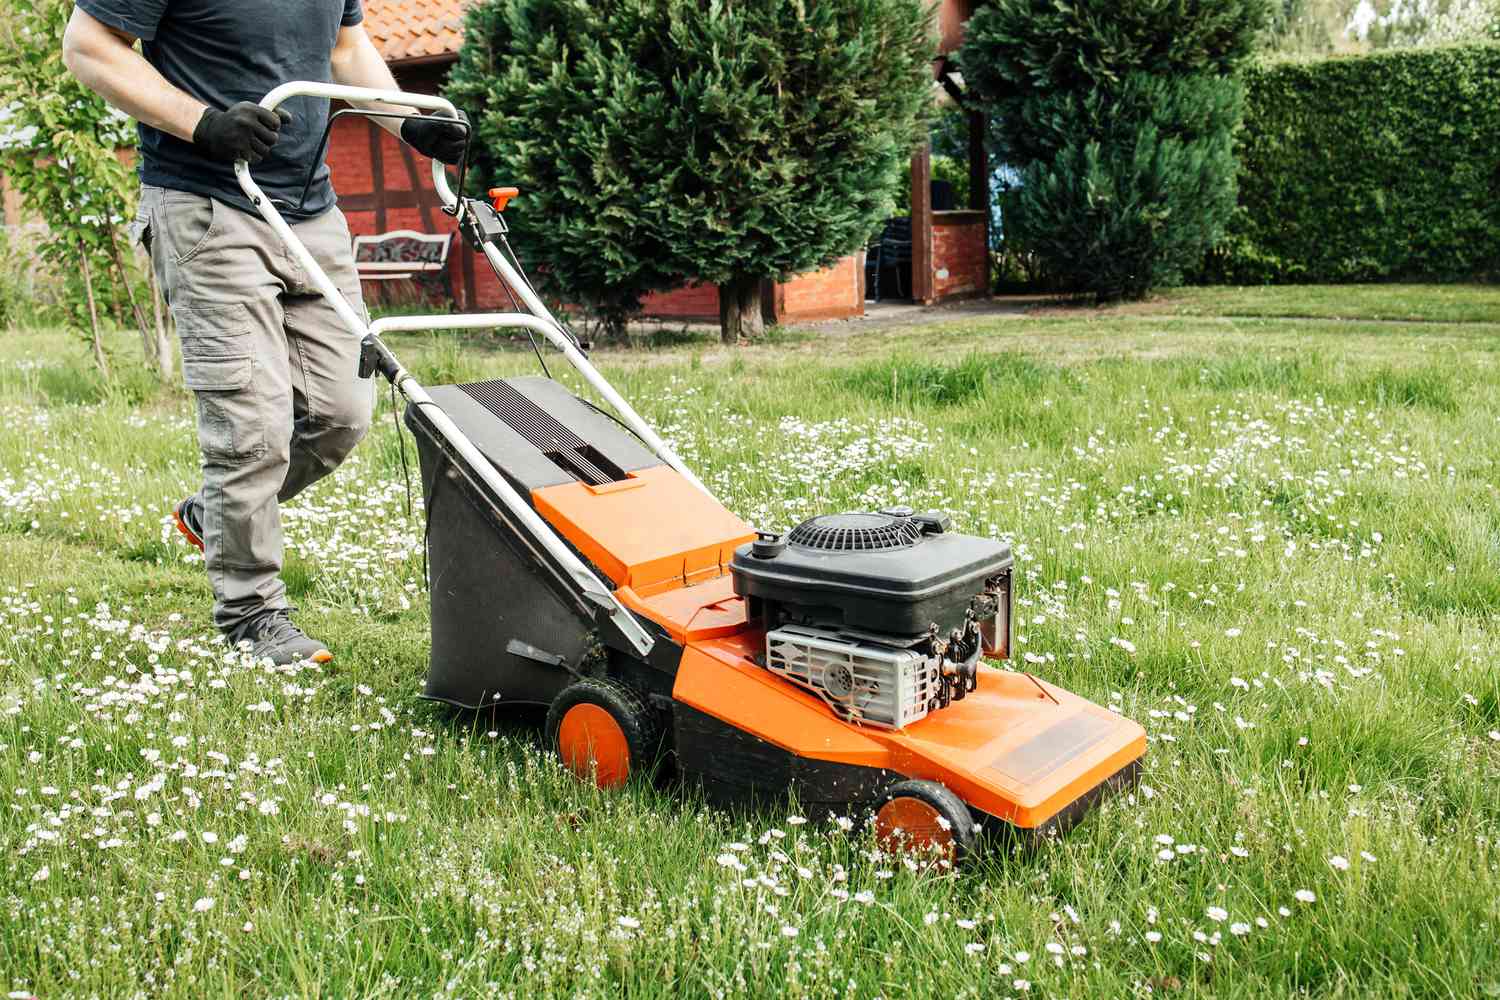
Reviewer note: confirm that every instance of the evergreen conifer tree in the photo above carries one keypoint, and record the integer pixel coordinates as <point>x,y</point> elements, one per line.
<point>1119,116</point>
<point>730,141</point>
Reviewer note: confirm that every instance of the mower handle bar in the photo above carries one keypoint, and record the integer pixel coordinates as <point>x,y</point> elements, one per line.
<point>336,92</point>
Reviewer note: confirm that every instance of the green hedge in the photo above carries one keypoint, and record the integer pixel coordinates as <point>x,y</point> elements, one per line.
<point>1372,168</point>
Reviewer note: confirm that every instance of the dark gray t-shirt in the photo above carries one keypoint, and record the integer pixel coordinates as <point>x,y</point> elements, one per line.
<point>226,51</point>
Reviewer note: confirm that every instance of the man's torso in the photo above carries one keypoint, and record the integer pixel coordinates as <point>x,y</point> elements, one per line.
<point>226,51</point>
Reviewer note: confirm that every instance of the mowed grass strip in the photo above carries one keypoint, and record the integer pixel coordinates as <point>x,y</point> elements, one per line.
<point>1275,546</point>
<point>1387,302</point>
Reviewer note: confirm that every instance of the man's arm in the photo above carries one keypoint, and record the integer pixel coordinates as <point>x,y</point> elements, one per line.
<point>104,60</point>
<point>358,63</point>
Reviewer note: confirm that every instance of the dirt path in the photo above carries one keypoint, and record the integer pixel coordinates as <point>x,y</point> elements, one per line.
<point>906,315</point>
<point>880,316</point>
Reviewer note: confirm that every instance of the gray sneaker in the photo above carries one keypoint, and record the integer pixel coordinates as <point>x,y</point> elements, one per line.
<point>272,635</point>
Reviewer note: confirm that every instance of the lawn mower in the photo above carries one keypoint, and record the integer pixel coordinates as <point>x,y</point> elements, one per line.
<point>575,562</point>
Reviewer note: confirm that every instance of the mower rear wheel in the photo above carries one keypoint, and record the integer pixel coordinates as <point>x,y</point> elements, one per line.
<point>924,818</point>
<point>604,731</point>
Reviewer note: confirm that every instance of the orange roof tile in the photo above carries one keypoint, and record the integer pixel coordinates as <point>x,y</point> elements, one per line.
<point>415,29</point>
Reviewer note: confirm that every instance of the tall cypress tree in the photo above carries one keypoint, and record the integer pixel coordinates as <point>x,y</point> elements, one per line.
<point>726,140</point>
<point>1119,116</point>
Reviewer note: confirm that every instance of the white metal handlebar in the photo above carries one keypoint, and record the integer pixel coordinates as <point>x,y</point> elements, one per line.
<point>367,95</point>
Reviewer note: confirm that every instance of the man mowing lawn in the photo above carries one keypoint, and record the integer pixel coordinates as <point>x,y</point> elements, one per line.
<point>274,372</point>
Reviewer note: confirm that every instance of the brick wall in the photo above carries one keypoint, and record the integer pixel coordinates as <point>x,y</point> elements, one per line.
<point>960,257</point>
<point>836,292</point>
<point>406,200</point>
<point>691,301</point>
<point>10,203</point>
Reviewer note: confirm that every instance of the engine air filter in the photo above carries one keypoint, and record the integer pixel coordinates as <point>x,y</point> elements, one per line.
<point>856,533</point>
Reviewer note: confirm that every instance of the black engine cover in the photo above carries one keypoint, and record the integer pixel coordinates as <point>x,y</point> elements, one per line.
<point>889,573</point>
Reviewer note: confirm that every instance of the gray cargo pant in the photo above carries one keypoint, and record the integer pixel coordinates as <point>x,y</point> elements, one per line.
<point>273,370</point>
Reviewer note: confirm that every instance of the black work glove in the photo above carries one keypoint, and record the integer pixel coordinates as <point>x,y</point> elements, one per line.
<point>246,131</point>
<point>440,138</point>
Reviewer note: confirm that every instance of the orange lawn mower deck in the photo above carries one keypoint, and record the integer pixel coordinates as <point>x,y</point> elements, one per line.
<point>844,660</point>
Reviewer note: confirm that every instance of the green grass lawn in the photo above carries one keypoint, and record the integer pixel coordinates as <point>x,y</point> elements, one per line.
<point>1433,303</point>
<point>1275,543</point>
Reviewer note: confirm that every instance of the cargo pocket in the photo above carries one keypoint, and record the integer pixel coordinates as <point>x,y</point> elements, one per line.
<point>216,374</point>
<point>140,229</point>
<point>218,365</point>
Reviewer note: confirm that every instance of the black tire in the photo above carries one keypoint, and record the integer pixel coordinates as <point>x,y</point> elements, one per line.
<point>639,725</point>
<point>948,807</point>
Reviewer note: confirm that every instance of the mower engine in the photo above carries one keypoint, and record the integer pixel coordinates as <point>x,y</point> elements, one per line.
<point>883,615</point>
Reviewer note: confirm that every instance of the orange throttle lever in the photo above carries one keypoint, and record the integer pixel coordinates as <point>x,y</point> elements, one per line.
<point>500,197</point>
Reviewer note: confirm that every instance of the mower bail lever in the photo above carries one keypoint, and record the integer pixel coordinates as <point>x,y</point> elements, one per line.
<point>374,357</point>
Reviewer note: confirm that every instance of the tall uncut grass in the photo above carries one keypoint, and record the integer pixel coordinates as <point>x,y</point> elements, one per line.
<point>1274,543</point>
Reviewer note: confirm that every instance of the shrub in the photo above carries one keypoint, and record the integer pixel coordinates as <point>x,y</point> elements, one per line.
<point>67,170</point>
<point>1118,116</point>
<point>30,294</point>
<point>1373,168</point>
<point>663,139</point>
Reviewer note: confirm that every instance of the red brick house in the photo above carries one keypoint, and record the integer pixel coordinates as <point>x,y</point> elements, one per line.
<point>383,187</point>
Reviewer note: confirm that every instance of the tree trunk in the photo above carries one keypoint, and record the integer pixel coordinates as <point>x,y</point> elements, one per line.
<point>88,292</point>
<point>739,310</point>
<point>612,328</point>
<point>163,342</point>
<point>148,342</point>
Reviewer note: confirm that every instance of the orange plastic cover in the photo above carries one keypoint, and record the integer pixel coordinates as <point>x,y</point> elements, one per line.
<point>1008,749</point>
<point>702,611</point>
<point>651,533</point>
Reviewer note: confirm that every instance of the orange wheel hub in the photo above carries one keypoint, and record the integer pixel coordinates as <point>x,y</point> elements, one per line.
<point>908,824</point>
<point>592,743</point>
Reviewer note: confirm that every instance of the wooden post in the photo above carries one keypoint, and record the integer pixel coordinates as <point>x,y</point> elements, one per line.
<point>979,165</point>
<point>377,174</point>
<point>921,225</point>
<point>470,297</point>
<point>979,187</point>
<point>413,178</point>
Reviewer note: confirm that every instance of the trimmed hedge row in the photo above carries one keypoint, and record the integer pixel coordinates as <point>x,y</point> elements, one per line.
<point>1373,168</point>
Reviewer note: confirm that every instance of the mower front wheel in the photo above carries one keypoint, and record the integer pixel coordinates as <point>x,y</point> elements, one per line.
<point>603,731</point>
<point>924,818</point>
